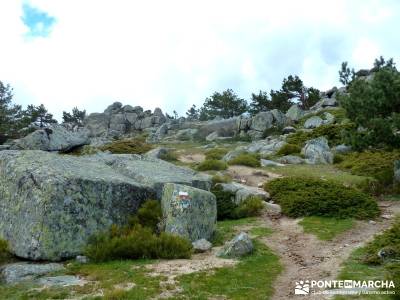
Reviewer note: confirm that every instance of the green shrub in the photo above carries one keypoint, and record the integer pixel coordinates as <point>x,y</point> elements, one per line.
<point>300,197</point>
<point>139,242</point>
<point>333,132</point>
<point>338,158</point>
<point>212,164</point>
<point>393,274</point>
<point>227,209</point>
<point>128,146</point>
<point>169,156</point>
<point>216,154</point>
<point>221,179</point>
<point>388,240</point>
<point>149,214</point>
<point>251,207</point>
<point>4,252</point>
<point>288,149</point>
<point>246,159</point>
<point>375,164</point>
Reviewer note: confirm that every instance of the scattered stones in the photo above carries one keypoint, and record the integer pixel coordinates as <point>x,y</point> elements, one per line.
<point>82,259</point>
<point>317,151</point>
<point>242,192</point>
<point>201,245</point>
<point>239,246</point>
<point>189,212</point>
<point>17,272</point>
<point>342,149</point>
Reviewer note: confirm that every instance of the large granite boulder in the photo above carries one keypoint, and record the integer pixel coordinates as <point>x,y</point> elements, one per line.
<point>317,151</point>
<point>239,246</point>
<point>295,113</point>
<point>242,192</point>
<point>189,212</point>
<point>51,204</point>
<point>55,138</point>
<point>223,128</point>
<point>97,124</point>
<point>262,121</point>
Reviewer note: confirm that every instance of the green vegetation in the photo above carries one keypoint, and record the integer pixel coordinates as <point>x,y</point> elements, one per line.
<point>375,164</point>
<point>252,278</point>
<point>260,232</point>
<point>225,105</point>
<point>4,253</point>
<point>314,197</point>
<point>246,159</point>
<point>226,229</point>
<point>333,132</point>
<point>288,149</point>
<point>365,264</point>
<point>138,239</point>
<point>76,117</point>
<point>375,106</point>
<point>228,209</point>
<point>170,156</point>
<point>216,154</point>
<point>128,146</point>
<point>212,164</point>
<point>326,228</point>
<point>221,179</point>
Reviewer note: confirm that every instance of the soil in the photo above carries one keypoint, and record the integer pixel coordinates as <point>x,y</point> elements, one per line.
<point>250,176</point>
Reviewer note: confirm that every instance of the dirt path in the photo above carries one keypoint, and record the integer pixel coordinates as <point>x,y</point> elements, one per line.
<point>305,257</point>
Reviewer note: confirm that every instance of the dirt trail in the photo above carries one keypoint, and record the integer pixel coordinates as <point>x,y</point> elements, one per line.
<point>305,257</point>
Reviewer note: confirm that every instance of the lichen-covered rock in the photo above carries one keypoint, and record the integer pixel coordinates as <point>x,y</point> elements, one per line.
<point>313,122</point>
<point>55,138</point>
<point>21,271</point>
<point>239,246</point>
<point>223,128</point>
<point>262,121</point>
<point>242,192</point>
<point>51,204</point>
<point>295,113</point>
<point>342,149</point>
<point>201,245</point>
<point>317,151</point>
<point>291,160</point>
<point>189,212</point>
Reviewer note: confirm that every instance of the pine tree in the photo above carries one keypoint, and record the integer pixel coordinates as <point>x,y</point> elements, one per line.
<point>39,115</point>
<point>259,102</point>
<point>193,113</point>
<point>76,117</point>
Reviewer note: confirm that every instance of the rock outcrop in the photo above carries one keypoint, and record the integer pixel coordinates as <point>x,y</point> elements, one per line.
<point>21,271</point>
<point>295,113</point>
<point>51,204</point>
<point>189,212</point>
<point>54,138</point>
<point>242,192</point>
<point>317,151</point>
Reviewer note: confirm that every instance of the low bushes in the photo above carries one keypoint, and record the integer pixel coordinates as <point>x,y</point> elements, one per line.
<point>216,154</point>
<point>4,253</point>
<point>128,146</point>
<point>375,164</point>
<point>212,164</point>
<point>170,156</point>
<point>288,149</point>
<point>300,197</point>
<point>221,179</point>
<point>227,209</point>
<point>246,159</point>
<point>139,239</point>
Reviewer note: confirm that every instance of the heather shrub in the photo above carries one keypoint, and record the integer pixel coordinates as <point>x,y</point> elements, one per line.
<point>288,149</point>
<point>212,164</point>
<point>128,146</point>
<point>216,154</point>
<point>246,159</point>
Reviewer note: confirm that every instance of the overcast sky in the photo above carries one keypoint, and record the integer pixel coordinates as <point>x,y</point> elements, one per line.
<point>171,54</point>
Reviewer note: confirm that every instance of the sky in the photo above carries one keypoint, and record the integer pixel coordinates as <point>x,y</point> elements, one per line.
<point>172,54</point>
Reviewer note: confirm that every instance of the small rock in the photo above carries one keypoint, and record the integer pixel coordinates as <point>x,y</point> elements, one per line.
<point>201,245</point>
<point>17,272</point>
<point>387,217</point>
<point>82,259</point>
<point>270,163</point>
<point>239,246</point>
<point>65,280</point>
<point>313,122</point>
<point>288,129</point>
<point>371,222</point>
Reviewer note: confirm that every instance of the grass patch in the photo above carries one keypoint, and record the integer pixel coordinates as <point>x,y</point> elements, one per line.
<point>128,146</point>
<point>216,153</point>
<point>326,228</point>
<point>252,278</point>
<point>375,164</point>
<point>299,196</point>
<point>221,179</point>
<point>288,149</point>
<point>365,264</point>
<point>212,164</point>
<point>226,229</point>
<point>260,232</point>
<point>246,159</point>
<point>170,156</point>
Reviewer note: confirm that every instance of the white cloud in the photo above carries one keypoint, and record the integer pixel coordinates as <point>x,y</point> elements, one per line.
<point>172,54</point>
